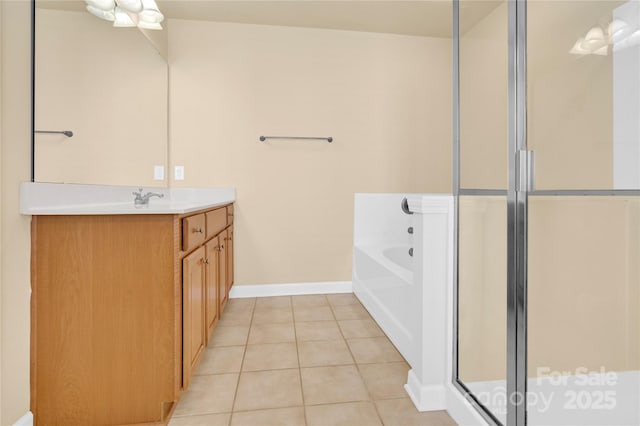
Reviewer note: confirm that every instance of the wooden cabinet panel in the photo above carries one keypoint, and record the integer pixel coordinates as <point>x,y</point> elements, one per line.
<point>212,285</point>
<point>230,214</point>
<point>230,259</point>
<point>193,231</point>
<point>120,316</point>
<point>224,293</point>
<point>216,221</point>
<point>193,313</point>
<point>103,319</point>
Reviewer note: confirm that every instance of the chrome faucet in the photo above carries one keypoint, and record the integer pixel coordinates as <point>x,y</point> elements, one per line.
<point>143,200</point>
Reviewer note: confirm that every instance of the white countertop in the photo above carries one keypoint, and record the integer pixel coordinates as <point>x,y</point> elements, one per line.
<point>75,199</point>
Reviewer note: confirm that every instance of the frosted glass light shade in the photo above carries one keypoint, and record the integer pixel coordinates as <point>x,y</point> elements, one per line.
<point>150,12</point>
<point>133,6</point>
<point>107,15</point>
<point>123,19</point>
<point>106,5</point>
<point>617,30</point>
<point>149,25</point>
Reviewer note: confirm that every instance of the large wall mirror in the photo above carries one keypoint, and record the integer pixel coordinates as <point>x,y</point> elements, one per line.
<point>106,85</point>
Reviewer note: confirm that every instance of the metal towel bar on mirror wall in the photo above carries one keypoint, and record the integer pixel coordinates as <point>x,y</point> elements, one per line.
<point>328,139</point>
<point>67,133</point>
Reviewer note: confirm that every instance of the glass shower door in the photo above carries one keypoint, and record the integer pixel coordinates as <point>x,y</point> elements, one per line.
<point>583,213</point>
<point>482,181</point>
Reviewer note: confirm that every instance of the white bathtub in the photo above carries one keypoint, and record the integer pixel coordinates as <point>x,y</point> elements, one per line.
<point>408,295</point>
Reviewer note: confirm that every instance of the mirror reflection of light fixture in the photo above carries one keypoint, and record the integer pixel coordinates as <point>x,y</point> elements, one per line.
<point>617,30</point>
<point>594,39</point>
<point>128,13</point>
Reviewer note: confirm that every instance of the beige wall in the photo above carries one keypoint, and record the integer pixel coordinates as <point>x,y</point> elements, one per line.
<point>385,99</point>
<point>109,86</point>
<point>15,240</point>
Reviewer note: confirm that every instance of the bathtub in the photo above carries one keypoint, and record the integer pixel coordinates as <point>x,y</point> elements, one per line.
<point>407,295</point>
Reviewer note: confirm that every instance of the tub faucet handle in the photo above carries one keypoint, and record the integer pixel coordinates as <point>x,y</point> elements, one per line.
<point>410,230</point>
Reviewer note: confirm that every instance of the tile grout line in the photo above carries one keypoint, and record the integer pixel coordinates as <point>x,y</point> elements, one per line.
<point>295,335</point>
<point>373,402</point>
<point>244,352</point>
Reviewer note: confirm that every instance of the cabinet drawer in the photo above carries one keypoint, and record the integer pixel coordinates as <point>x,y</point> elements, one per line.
<point>230,214</point>
<point>193,231</point>
<point>216,221</point>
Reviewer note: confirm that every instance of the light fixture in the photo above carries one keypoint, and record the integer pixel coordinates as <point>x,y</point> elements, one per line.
<point>133,6</point>
<point>106,5</point>
<point>577,48</point>
<point>150,12</point>
<point>107,15</point>
<point>149,25</point>
<point>128,13</point>
<point>123,19</point>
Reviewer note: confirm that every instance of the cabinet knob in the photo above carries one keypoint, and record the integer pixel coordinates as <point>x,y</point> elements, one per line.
<point>221,246</point>
<point>218,248</point>
<point>206,261</point>
<point>198,230</point>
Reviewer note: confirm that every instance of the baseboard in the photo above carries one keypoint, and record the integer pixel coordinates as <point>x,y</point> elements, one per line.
<point>290,289</point>
<point>425,397</point>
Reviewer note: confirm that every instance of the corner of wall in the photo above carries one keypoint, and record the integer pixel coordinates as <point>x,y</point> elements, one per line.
<point>15,166</point>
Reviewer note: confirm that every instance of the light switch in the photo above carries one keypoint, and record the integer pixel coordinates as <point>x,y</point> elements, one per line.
<point>158,172</point>
<point>178,173</point>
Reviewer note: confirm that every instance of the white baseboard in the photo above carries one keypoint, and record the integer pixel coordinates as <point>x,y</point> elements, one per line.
<point>425,397</point>
<point>290,289</point>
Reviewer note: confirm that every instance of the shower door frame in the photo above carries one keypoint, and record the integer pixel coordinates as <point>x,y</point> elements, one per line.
<point>517,193</point>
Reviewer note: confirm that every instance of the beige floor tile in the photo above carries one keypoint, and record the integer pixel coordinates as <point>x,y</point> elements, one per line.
<point>272,333</point>
<point>208,395</point>
<point>236,317</point>
<point>327,385</point>
<point>268,389</point>
<point>270,356</point>
<point>293,416</point>
<point>272,315</point>
<point>350,312</point>
<point>240,304</point>
<point>317,330</point>
<point>313,313</point>
<point>234,335</point>
<point>360,328</point>
<point>346,414</point>
<point>403,412</point>
<point>385,381</point>
<point>221,359</point>
<point>342,299</point>
<point>309,300</point>
<point>324,352</point>
<point>206,420</point>
<point>374,350</point>
<point>273,302</point>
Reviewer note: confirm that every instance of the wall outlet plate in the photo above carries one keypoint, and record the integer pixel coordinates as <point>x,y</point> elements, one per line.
<point>158,172</point>
<point>178,173</point>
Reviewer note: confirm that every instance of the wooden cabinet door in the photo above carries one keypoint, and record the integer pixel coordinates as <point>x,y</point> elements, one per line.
<point>193,314</point>
<point>230,258</point>
<point>212,284</point>
<point>222,273</point>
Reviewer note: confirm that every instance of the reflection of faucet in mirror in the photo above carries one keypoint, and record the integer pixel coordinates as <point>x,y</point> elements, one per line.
<point>143,200</point>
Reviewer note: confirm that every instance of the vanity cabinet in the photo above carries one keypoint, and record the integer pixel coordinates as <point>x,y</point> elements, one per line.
<point>122,307</point>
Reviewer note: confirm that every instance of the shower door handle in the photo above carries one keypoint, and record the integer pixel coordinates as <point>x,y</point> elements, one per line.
<point>526,171</point>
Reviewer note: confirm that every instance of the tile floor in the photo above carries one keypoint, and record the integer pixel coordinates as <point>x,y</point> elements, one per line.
<point>300,360</point>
